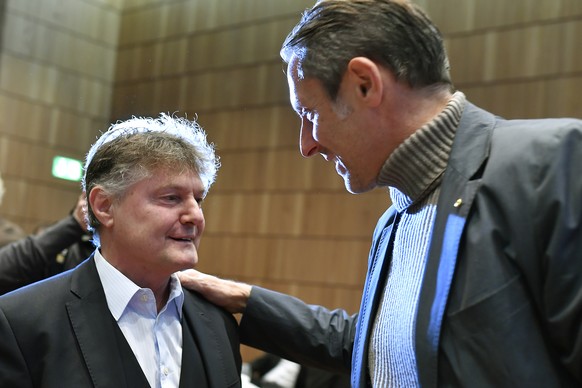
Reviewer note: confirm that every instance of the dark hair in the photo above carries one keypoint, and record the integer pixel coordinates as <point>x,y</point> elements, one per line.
<point>393,33</point>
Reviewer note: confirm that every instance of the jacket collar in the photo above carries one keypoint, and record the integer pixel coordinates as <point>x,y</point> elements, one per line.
<point>95,328</point>
<point>460,185</point>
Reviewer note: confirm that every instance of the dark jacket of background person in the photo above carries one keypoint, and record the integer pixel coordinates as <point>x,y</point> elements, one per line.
<point>85,340</point>
<point>39,256</point>
<point>9,232</point>
<point>501,299</point>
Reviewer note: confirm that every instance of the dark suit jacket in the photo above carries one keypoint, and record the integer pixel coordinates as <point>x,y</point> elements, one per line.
<point>501,300</point>
<point>60,333</point>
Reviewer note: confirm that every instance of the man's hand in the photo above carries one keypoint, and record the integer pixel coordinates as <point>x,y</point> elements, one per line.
<point>230,295</point>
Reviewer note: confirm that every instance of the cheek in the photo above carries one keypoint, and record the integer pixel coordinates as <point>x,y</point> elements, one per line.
<point>153,223</point>
<point>200,231</point>
<point>326,131</point>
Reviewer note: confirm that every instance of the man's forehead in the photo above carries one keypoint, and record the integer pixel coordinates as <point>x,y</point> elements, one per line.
<point>167,178</point>
<point>172,169</point>
<point>293,80</point>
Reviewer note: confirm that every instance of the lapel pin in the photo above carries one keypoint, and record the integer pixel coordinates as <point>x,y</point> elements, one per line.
<point>458,203</point>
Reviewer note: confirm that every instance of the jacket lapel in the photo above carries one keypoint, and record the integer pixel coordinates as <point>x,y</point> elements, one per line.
<point>193,373</point>
<point>214,349</point>
<point>95,330</point>
<point>377,270</point>
<point>460,185</point>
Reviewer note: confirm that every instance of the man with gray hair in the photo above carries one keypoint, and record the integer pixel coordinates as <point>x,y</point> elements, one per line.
<point>121,318</point>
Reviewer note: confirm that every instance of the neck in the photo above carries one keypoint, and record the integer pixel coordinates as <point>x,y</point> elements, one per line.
<point>417,107</point>
<point>416,166</point>
<point>162,295</point>
<point>142,277</point>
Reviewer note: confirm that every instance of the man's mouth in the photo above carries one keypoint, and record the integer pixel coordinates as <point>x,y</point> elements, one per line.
<point>183,239</point>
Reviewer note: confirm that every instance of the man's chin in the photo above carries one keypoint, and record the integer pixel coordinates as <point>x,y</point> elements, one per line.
<point>193,261</point>
<point>187,260</point>
<point>357,187</point>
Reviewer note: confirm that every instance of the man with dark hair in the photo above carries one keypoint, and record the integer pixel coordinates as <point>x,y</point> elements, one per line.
<point>474,275</point>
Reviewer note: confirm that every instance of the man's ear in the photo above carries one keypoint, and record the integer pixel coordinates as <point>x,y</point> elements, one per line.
<point>102,205</point>
<point>367,79</point>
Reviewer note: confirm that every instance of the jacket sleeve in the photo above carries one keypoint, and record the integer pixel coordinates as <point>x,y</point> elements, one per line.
<point>27,260</point>
<point>542,198</point>
<point>307,334</point>
<point>558,220</point>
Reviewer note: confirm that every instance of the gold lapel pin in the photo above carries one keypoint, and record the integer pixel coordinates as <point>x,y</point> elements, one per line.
<point>458,203</point>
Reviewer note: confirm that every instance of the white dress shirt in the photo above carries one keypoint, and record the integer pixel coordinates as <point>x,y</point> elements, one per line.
<point>156,339</point>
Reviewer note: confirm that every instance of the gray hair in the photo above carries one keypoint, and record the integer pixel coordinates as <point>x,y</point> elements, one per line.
<point>394,33</point>
<point>131,150</point>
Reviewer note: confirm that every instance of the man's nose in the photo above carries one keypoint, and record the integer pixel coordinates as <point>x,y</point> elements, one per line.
<point>192,213</point>
<point>307,143</point>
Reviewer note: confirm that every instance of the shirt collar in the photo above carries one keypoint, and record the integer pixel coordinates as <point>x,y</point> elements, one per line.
<point>119,290</point>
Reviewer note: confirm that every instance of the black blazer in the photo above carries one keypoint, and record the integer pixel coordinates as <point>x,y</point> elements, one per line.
<point>60,333</point>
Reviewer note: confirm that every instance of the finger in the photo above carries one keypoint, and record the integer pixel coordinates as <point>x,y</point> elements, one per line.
<point>189,278</point>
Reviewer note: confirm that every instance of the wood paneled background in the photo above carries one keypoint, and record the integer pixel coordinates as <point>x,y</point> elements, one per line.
<point>70,67</point>
<point>57,72</point>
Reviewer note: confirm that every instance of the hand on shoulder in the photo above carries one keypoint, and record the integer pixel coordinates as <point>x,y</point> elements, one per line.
<point>228,294</point>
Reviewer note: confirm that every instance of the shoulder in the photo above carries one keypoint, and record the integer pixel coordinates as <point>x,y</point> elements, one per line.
<point>536,145</point>
<point>36,310</point>
<point>540,129</point>
<point>196,303</point>
<point>531,177</point>
<point>36,298</point>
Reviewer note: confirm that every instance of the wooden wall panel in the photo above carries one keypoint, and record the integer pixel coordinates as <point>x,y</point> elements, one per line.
<point>525,99</point>
<point>571,54</point>
<point>526,53</point>
<point>562,98</point>
<point>57,63</point>
<point>510,59</point>
<point>256,128</point>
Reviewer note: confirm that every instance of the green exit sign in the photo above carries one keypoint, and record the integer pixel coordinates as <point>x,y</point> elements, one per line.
<point>67,168</point>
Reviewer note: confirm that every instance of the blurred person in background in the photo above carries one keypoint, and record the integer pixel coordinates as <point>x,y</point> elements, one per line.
<point>51,250</point>
<point>9,231</point>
